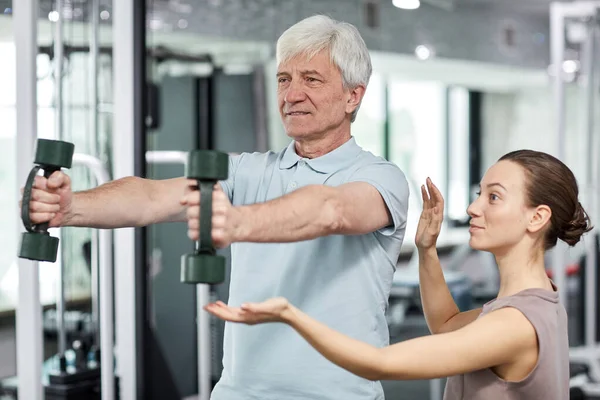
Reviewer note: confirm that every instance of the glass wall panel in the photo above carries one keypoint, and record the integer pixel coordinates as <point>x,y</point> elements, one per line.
<point>459,109</point>
<point>417,118</point>
<point>369,126</point>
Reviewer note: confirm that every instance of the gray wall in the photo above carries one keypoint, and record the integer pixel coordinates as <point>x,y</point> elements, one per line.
<point>235,116</point>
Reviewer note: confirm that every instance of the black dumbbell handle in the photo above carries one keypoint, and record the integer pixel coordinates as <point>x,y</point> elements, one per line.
<point>205,243</point>
<point>41,228</point>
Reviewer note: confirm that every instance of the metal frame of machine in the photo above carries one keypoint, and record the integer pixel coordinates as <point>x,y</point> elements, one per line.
<point>561,14</point>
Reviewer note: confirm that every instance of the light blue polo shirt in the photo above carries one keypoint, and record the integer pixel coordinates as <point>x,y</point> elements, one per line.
<point>342,281</point>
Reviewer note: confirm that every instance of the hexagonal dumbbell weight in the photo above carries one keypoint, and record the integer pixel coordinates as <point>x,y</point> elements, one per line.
<point>36,243</point>
<point>204,266</point>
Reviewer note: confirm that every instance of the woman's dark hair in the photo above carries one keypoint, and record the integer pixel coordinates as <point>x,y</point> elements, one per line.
<point>550,182</point>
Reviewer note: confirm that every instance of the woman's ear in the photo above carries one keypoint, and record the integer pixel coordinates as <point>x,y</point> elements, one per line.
<point>541,216</point>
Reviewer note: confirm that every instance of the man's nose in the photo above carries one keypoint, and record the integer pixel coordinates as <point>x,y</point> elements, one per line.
<point>295,93</point>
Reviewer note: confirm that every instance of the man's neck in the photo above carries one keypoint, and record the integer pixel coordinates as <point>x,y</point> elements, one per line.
<point>314,148</point>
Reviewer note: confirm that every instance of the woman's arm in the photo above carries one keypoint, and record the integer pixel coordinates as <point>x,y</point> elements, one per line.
<point>497,338</point>
<point>459,320</point>
<point>440,310</point>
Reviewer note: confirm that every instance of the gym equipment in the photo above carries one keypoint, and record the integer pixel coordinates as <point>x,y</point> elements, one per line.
<point>205,330</point>
<point>563,15</point>
<point>80,370</point>
<point>86,369</point>
<point>204,266</point>
<point>36,243</point>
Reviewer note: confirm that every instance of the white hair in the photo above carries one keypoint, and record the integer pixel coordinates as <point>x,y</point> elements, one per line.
<point>342,40</point>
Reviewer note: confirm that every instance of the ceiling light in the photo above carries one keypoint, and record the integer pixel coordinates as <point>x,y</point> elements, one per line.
<point>407,4</point>
<point>154,23</point>
<point>182,24</point>
<point>422,52</point>
<point>53,16</point>
<point>570,66</point>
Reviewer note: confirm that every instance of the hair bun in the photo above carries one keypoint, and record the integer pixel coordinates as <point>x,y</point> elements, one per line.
<point>580,224</point>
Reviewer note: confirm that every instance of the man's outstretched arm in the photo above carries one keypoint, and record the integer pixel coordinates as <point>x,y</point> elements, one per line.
<point>360,206</point>
<point>314,211</point>
<point>126,202</point>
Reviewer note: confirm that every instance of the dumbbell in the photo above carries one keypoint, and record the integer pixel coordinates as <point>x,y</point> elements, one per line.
<point>36,243</point>
<point>204,266</point>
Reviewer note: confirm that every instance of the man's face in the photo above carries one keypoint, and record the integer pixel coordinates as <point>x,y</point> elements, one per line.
<point>312,99</point>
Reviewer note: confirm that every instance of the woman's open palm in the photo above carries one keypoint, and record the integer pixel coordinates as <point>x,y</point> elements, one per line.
<point>250,313</point>
<point>432,215</point>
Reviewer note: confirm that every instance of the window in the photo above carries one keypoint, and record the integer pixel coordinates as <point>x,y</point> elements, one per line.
<point>417,118</point>
<point>8,201</point>
<point>369,127</point>
<point>76,117</point>
<point>459,159</point>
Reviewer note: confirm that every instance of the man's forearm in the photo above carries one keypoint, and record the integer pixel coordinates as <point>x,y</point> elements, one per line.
<point>437,301</point>
<point>126,202</point>
<point>307,213</point>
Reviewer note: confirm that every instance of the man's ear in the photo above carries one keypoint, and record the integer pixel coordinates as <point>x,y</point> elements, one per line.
<point>355,97</point>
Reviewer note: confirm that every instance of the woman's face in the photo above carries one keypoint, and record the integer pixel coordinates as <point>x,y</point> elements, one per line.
<point>500,216</point>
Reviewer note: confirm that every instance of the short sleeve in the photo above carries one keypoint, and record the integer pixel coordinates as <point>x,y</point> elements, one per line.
<point>391,183</point>
<point>228,184</point>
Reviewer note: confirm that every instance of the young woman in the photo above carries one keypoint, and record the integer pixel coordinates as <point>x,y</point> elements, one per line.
<point>516,346</point>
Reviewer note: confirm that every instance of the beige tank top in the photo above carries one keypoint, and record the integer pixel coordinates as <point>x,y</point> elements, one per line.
<point>549,380</point>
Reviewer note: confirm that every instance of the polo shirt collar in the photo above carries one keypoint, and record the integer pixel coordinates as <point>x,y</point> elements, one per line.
<point>327,163</point>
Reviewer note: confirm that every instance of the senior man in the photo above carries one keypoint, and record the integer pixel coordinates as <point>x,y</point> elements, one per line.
<point>320,222</point>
